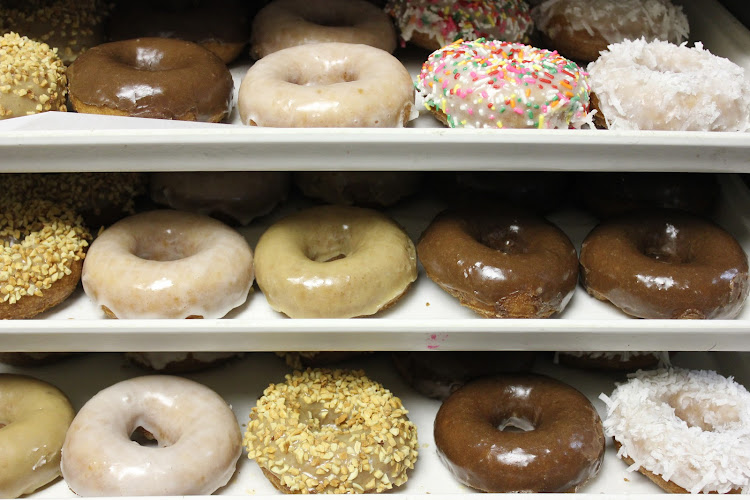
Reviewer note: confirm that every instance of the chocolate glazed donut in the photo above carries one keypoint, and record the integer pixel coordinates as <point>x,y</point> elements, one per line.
<point>562,447</point>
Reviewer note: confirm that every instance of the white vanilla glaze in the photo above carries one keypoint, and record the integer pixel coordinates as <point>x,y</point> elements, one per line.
<point>198,438</point>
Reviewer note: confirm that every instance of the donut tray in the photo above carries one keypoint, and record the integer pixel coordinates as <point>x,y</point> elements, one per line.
<point>241,381</point>
<point>74,142</point>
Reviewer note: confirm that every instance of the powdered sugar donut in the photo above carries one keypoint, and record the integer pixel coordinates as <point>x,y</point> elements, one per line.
<point>688,431</point>
<point>492,84</point>
<point>639,85</point>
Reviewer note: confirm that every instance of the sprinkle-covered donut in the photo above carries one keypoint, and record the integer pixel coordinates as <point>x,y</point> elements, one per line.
<point>492,84</point>
<point>323,431</point>
<point>686,430</point>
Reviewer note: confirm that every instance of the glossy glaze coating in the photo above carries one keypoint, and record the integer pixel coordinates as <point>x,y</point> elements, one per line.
<point>151,78</point>
<point>198,438</point>
<point>665,264</point>
<point>500,262</point>
<point>564,449</point>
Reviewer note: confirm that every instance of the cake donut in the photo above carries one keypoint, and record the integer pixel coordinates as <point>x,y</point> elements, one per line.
<point>613,360</point>
<point>686,430</point>
<point>639,85</point>
<point>151,78</point>
<point>563,450</point>
<point>493,84</point>
<point>168,264</point>
<point>34,417</point>
<point>665,264</point>
<point>370,189</point>
<point>199,440</point>
<point>323,431</point>
<point>580,29</point>
<point>288,23</point>
<point>432,24</point>
<point>327,85</point>
<point>32,77</point>
<point>500,262</point>
<point>334,262</point>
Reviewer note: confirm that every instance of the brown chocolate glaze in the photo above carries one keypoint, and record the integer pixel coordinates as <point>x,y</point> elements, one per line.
<point>151,78</point>
<point>564,449</point>
<point>665,264</point>
<point>500,262</point>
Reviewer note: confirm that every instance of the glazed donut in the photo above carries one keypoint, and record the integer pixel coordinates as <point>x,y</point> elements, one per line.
<point>324,431</point>
<point>178,362</point>
<point>613,360</point>
<point>580,29</point>
<point>501,263</point>
<point>151,78</point>
<point>288,23</point>
<point>370,189</point>
<point>232,197</point>
<point>334,262</point>
<point>168,264</point>
<point>24,65</point>
<point>199,440</point>
<point>43,246</point>
<point>327,85</point>
<point>492,84</point>
<point>639,85</point>
<point>686,430</point>
<point>34,417</point>
<point>665,264</point>
<point>564,450</point>
<point>432,24</point>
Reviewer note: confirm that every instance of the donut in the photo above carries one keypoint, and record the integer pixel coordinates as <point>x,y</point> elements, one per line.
<point>665,264</point>
<point>563,450</point>
<point>34,417</point>
<point>198,440</point>
<point>580,29</point>
<point>316,359</point>
<point>613,360</point>
<point>327,85</point>
<point>232,197</point>
<point>288,23</point>
<point>151,78</point>
<point>370,189</point>
<point>334,262</point>
<point>432,24</point>
<point>492,84</point>
<point>639,85</point>
<point>168,264</point>
<point>32,78</point>
<point>500,262</point>
<point>323,431</point>
<point>178,362</point>
<point>686,430</point>
<point>25,359</point>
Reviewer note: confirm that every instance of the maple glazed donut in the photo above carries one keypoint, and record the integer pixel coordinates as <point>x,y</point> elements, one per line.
<point>334,262</point>
<point>500,262</point>
<point>665,264</point>
<point>288,23</point>
<point>327,85</point>
<point>562,448</point>
<point>493,84</point>
<point>34,417</point>
<point>151,78</point>
<point>198,437</point>
<point>168,264</point>
<point>324,431</point>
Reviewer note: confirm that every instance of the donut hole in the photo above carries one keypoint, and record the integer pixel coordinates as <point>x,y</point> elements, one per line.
<point>665,246</point>
<point>507,240</point>
<point>143,437</point>
<point>515,424</point>
<point>329,251</point>
<point>707,416</point>
<point>328,19</point>
<point>329,76</point>
<point>166,249</point>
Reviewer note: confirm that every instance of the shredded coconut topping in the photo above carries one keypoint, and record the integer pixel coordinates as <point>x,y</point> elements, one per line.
<point>326,431</point>
<point>690,427</point>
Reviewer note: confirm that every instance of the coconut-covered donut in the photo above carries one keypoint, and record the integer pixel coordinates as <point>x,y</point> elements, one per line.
<point>370,189</point>
<point>492,84</point>
<point>168,264</point>
<point>34,417</point>
<point>327,85</point>
<point>639,85</point>
<point>665,264</point>
<point>580,29</point>
<point>288,23</point>
<point>323,431</point>
<point>613,360</point>
<point>686,430</point>
<point>334,262</point>
<point>432,24</point>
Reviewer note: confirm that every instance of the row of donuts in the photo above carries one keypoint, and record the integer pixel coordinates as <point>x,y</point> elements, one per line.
<point>326,430</point>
